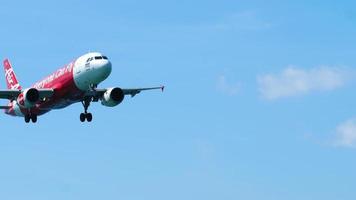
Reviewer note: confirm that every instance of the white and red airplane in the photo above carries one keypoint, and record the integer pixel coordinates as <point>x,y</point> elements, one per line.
<point>75,82</point>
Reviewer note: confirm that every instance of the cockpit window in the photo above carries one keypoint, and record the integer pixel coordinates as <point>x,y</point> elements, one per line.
<point>97,58</point>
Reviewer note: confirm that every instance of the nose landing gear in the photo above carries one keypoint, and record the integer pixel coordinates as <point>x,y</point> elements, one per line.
<point>86,116</point>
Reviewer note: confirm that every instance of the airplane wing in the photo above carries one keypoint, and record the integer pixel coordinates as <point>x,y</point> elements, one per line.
<point>98,93</point>
<point>13,94</point>
<point>5,107</point>
<point>135,91</point>
<point>9,94</point>
<point>45,93</point>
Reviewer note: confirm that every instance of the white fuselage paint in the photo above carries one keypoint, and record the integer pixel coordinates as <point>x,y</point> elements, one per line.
<point>88,70</point>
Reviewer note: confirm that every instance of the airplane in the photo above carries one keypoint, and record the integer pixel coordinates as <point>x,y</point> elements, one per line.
<point>73,83</point>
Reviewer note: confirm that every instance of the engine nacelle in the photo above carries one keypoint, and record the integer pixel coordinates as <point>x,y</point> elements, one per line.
<point>112,97</point>
<point>29,98</point>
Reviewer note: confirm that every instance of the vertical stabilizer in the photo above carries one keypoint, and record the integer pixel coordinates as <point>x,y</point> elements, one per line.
<point>10,77</point>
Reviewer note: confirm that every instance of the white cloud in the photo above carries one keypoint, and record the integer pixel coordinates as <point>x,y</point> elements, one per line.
<point>294,81</point>
<point>226,87</point>
<point>346,134</point>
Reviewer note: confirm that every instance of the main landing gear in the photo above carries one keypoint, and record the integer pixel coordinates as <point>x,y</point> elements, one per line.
<point>31,117</point>
<point>86,116</point>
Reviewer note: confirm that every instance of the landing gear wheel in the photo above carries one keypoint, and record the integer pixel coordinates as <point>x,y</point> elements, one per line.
<point>27,118</point>
<point>82,117</point>
<point>86,116</point>
<point>89,117</point>
<point>34,118</point>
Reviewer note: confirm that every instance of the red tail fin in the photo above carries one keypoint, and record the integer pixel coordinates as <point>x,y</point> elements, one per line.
<point>10,76</point>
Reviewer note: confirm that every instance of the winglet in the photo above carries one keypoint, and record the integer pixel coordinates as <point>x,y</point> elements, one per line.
<point>11,80</point>
<point>162,88</point>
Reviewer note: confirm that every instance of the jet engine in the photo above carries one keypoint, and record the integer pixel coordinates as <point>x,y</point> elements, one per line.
<point>30,97</point>
<point>112,97</point>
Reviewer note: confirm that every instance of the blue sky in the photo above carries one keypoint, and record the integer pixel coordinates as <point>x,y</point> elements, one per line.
<point>259,101</point>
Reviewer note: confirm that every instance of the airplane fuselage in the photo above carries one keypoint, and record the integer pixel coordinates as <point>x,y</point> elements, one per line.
<point>69,84</point>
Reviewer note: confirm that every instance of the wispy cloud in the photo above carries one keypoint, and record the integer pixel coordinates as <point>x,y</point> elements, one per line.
<point>226,87</point>
<point>346,134</point>
<point>294,81</point>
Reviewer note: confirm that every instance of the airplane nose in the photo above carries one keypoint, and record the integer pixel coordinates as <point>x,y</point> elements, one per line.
<point>100,70</point>
<point>104,69</point>
<point>107,66</point>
